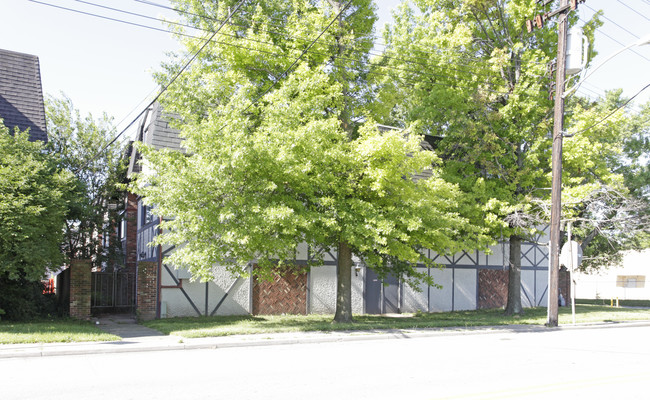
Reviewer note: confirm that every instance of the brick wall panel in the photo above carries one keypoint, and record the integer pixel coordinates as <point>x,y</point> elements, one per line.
<point>285,294</point>
<point>492,288</point>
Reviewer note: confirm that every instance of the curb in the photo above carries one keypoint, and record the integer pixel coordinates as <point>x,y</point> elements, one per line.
<point>167,343</point>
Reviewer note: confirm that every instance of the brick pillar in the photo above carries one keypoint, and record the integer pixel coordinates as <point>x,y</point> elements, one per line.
<point>80,276</point>
<point>147,295</point>
<point>131,246</point>
<point>565,285</point>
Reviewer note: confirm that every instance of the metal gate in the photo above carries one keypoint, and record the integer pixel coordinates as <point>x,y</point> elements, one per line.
<point>112,292</point>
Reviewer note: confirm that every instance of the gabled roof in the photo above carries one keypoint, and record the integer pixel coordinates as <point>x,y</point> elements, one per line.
<point>154,130</point>
<point>21,94</point>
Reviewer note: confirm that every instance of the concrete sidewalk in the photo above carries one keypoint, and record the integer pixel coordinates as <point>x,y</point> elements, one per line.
<point>138,338</point>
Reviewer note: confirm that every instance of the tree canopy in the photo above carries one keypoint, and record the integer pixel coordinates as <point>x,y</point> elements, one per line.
<point>278,115</point>
<point>276,159</point>
<point>33,207</point>
<point>470,73</point>
<point>606,181</point>
<point>75,142</point>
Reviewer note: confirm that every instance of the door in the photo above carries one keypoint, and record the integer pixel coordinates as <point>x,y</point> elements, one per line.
<point>381,297</point>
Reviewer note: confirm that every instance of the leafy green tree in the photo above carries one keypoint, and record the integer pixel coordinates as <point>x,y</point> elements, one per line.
<point>469,73</point>
<point>635,167</point>
<point>275,159</point>
<point>605,168</point>
<point>33,195</point>
<point>76,142</point>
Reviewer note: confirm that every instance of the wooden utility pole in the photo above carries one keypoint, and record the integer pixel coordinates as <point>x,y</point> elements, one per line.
<point>556,166</point>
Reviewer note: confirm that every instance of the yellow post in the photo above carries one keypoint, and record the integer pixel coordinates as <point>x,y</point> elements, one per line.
<point>611,302</point>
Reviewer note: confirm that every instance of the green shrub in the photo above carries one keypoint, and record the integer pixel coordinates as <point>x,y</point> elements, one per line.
<point>23,300</point>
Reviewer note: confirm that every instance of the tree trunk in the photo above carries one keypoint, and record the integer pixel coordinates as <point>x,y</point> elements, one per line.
<point>514,277</point>
<point>344,285</point>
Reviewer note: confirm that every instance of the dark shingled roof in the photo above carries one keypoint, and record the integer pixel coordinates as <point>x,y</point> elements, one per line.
<point>21,94</point>
<point>155,131</point>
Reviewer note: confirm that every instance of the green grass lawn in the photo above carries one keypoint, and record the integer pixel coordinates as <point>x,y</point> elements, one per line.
<point>622,303</point>
<point>233,325</point>
<point>66,330</point>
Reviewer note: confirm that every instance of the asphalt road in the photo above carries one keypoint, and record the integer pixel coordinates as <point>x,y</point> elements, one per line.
<point>611,363</point>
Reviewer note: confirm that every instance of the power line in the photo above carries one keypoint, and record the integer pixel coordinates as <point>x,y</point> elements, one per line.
<point>136,107</point>
<point>263,42</point>
<point>610,114</point>
<point>611,38</point>
<point>277,55</point>
<point>172,23</point>
<point>98,16</point>
<point>205,17</point>
<point>141,25</point>
<point>418,72</point>
<point>418,64</point>
<point>593,92</point>
<point>615,23</point>
<point>634,10</point>
<point>164,88</point>
<point>598,91</point>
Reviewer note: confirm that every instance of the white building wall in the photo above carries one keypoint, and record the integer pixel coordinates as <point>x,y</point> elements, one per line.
<point>603,285</point>
<point>322,290</point>
<point>358,281</point>
<point>174,303</point>
<point>413,300</point>
<point>441,299</point>
<point>527,255</point>
<point>239,293</point>
<point>527,288</point>
<point>465,289</point>
<point>498,255</point>
<point>542,288</point>
<point>458,280</point>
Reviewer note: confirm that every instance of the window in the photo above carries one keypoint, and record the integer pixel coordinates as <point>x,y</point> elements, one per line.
<point>147,215</point>
<point>122,229</point>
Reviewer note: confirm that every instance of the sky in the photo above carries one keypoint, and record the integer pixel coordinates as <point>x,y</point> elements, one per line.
<point>106,66</point>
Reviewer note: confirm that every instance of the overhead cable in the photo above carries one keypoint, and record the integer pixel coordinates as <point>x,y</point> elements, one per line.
<point>164,88</point>
<point>608,115</point>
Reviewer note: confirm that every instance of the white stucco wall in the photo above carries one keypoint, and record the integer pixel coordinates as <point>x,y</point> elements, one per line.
<point>458,291</point>
<point>358,280</point>
<point>542,288</point>
<point>464,289</point>
<point>322,290</point>
<point>239,297</point>
<point>498,254</point>
<point>527,288</point>
<point>440,299</point>
<point>603,285</point>
<point>177,305</point>
<point>412,300</point>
